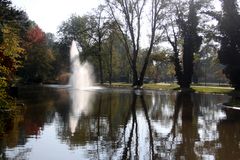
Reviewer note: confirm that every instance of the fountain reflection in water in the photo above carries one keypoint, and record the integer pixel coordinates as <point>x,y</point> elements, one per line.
<point>81,105</point>
<point>81,82</point>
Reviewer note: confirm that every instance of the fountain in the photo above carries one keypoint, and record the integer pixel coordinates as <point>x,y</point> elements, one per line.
<point>81,82</point>
<point>82,74</point>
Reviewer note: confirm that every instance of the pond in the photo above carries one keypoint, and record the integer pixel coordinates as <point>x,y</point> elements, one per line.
<point>59,123</point>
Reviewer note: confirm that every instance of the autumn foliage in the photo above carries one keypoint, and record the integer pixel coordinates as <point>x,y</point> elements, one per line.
<point>35,35</point>
<point>10,52</point>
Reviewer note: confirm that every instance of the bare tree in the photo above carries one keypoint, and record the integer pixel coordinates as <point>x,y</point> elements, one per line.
<point>110,48</point>
<point>100,30</point>
<point>129,16</point>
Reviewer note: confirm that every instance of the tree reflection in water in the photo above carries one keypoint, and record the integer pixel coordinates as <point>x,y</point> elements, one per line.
<point>176,126</point>
<point>189,131</point>
<point>229,139</point>
<point>126,125</point>
<point>127,153</point>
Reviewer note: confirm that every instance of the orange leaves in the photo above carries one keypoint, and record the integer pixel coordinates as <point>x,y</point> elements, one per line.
<point>36,35</point>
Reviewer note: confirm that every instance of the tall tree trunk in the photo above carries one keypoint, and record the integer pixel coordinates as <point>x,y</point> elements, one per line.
<point>191,44</point>
<point>100,61</point>
<point>135,82</point>
<point>146,60</point>
<point>132,12</point>
<point>144,68</point>
<point>178,67</point>
<point>187,63</point>
<point>110,62</point>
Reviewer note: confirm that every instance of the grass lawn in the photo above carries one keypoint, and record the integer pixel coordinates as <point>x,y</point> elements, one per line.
<point>212,89</point>
<point>174,86</point>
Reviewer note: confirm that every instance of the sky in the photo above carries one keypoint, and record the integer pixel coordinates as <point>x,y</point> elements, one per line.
<point>49,14</point>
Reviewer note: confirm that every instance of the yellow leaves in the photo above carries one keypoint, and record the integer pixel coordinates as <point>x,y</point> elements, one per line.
<point>11,42</point>
<point>4,70</point>
<point>10,52</point>
<point>3,83</point>
<point>50,55</point>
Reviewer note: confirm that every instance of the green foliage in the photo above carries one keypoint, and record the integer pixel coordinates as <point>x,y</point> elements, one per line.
<point>77,28</point>
<point>100,44</point>
<point>13,18</point>
<point>38,66</point>
<point>161,69</point>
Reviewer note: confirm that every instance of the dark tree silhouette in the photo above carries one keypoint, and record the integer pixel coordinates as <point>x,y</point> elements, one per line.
<point>229,53</point>
<point>191,42</point>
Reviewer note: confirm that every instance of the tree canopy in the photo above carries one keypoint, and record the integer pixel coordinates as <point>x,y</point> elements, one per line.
<point>13,26</point>
<point>229,53</point>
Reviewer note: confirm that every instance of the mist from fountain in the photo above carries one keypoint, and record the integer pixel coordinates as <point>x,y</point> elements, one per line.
<point>82,74</point>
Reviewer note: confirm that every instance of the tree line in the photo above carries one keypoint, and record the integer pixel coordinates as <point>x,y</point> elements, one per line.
<point>134,41</point>
<point>196,33</point>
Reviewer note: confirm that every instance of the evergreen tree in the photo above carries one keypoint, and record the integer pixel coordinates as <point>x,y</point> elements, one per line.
<point>229,53</point>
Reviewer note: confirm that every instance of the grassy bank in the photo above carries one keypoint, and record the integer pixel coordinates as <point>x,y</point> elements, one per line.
<point>174,86</point>
<point>212,89</point>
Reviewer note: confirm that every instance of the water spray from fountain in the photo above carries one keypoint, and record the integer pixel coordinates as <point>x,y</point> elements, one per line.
<point>81,81</point>
<point>82,74</point>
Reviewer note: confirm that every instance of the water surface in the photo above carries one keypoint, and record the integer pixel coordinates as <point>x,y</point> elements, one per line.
<point>61,123</point>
